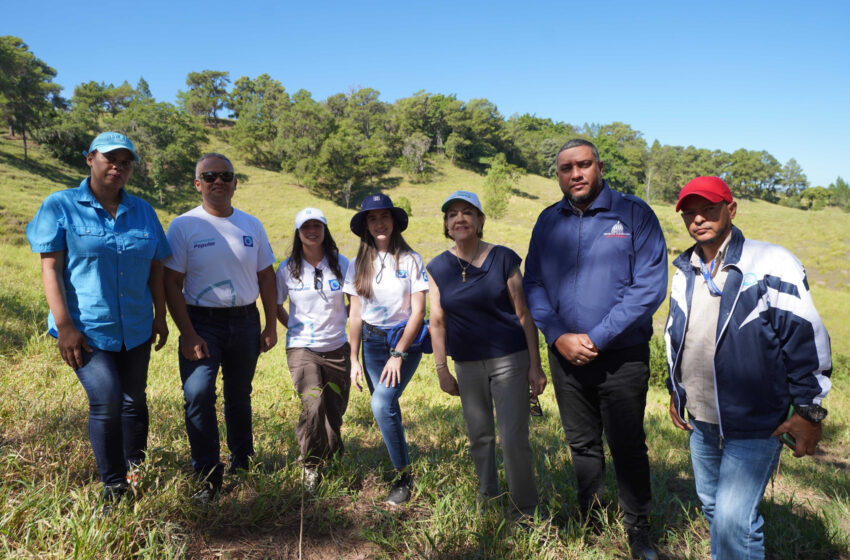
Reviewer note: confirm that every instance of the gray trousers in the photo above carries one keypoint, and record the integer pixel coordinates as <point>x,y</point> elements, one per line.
<point>502,381</point>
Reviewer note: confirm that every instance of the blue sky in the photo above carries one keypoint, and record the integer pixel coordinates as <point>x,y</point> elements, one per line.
<point>759,75</point>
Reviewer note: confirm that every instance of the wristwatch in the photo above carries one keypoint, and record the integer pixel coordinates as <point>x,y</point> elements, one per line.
<point>814,413</point>
<point>396,354</point>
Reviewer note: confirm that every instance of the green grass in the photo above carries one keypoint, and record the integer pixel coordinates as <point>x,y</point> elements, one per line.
<point>48,480</point>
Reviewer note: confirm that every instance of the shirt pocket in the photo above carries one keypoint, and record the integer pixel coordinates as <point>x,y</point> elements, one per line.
<point>140,244</point>
<point>87,240</point>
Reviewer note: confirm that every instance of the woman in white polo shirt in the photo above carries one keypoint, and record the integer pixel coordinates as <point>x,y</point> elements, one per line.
<point>317,349</point>
<point>387,285</point>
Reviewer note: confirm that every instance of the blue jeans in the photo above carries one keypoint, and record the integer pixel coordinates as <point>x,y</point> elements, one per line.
<point>115,384</point>
<point>385,406</point>
<point>232,335</point>
<point>730,483</point>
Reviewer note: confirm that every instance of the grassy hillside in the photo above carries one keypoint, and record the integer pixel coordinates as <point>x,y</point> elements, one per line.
<point>48,479</point>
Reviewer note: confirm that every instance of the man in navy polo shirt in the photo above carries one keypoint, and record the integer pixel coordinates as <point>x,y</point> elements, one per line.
<point>596,271</point>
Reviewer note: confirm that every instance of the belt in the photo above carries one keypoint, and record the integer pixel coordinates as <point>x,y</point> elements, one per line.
<point>373,329</point>
<point>219,312</point>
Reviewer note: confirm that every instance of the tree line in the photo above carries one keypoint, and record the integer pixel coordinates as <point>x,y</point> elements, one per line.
<point>347,144</point>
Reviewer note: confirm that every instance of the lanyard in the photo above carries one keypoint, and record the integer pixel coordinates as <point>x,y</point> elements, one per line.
<point>706,273</point>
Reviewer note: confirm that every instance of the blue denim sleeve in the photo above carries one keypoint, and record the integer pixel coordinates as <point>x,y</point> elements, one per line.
<point>46,231</point>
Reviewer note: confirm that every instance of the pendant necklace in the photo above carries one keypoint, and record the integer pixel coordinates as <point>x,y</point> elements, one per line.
<point>468,264</point>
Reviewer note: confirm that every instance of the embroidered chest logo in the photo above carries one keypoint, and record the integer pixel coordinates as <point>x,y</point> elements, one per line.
<point>617,230</point>
<point>248,240</point>
<point>201,243</point>
<point>334,284</point>
<point>401,274</point>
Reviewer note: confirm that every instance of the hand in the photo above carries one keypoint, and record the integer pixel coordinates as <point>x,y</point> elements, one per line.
<point>159,330</point>
<point>674,416</point>
<point>193,347</point>
<point>536,380</point>
<point>448,383</point>
<point>578,349</point>
<point>391,372</point>
<point>268,338</point>
<point>71,345</point>
<point>356,374</point>
<point>807,434</point>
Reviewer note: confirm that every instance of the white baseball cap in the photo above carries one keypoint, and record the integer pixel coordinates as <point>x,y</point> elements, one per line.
<point>309,214</point>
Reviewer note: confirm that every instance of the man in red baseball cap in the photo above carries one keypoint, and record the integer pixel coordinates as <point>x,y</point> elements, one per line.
<point>748,358</point>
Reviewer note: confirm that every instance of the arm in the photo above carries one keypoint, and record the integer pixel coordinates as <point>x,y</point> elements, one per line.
<point>268,295</point>
<point>392,370</point>
<point>156,283</point>
<point>355,330</point>
<point>71,341</point>
<point>536,377</point>
<point>648,287</point>
<point>192,346</point>
<point>283,316</point>
<point>437,324</point>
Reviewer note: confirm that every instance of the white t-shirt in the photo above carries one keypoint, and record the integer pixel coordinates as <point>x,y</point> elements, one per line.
<point>390,302</point>
<point>316,317</point>
<point>219,256</point>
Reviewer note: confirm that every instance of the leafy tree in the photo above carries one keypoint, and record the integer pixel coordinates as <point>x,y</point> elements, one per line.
<point>792,177</point>
<point>632,153</point>
<point>259,105</point>
<point>840,194</point>
<point>413,153</point>
<point>206,95</point>
<point>753,174</point>
<point>501,177</point>
<point>27,91</point>
<point>301,131</point>
<point>143,90</point>
<point>167,141</point>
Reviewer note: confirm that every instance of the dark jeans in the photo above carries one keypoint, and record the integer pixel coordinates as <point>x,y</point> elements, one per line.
<point>608,394</point>
<point>232,335</point>
<point>115,383</point>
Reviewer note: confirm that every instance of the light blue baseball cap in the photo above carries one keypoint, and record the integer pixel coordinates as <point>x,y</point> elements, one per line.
<point>465,196</point>
<point>108,141</point>
<point>309,214</point>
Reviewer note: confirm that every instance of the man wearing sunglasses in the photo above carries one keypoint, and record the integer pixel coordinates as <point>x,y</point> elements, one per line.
<point>221,262</point>
<point>744,342</point>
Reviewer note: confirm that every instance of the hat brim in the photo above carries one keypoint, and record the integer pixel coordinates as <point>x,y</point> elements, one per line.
<point>113,147</point>
<point>710,196</point>
<point>358,221</point>
<point>449,202</point>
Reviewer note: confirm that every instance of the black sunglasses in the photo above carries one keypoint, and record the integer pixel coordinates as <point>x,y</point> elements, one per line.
<point>534,404</point>
<point>317,279</point>
<point>211,176</point>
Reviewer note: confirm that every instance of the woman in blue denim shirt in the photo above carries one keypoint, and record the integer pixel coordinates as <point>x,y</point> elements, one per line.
<point>100,265</point>
<point>387,285</point>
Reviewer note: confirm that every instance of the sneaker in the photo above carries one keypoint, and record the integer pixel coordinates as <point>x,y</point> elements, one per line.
<point>311,480</point>
<point>400,490</point>
<point>236,465</point>
<point>639,544</point>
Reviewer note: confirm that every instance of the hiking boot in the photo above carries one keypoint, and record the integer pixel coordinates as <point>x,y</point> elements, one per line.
<point>639,545</point>
<point>237,464</point>
<point>400,490</point>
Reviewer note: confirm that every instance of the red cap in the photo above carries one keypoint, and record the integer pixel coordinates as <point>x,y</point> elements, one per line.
<point>712,189</point>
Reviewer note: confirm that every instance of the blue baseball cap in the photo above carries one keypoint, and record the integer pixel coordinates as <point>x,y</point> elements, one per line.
<point>309,214</point>
<point>108,141</point>
<point>465,196</point>
<point>377,201</point>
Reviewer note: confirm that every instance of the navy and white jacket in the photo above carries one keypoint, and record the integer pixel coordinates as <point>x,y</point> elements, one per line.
<point>602,272</point>
<point>771,347</point>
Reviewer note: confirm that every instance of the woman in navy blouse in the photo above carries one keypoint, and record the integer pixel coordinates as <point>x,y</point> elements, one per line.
<point>100,251</point>
<point>479,317</point>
